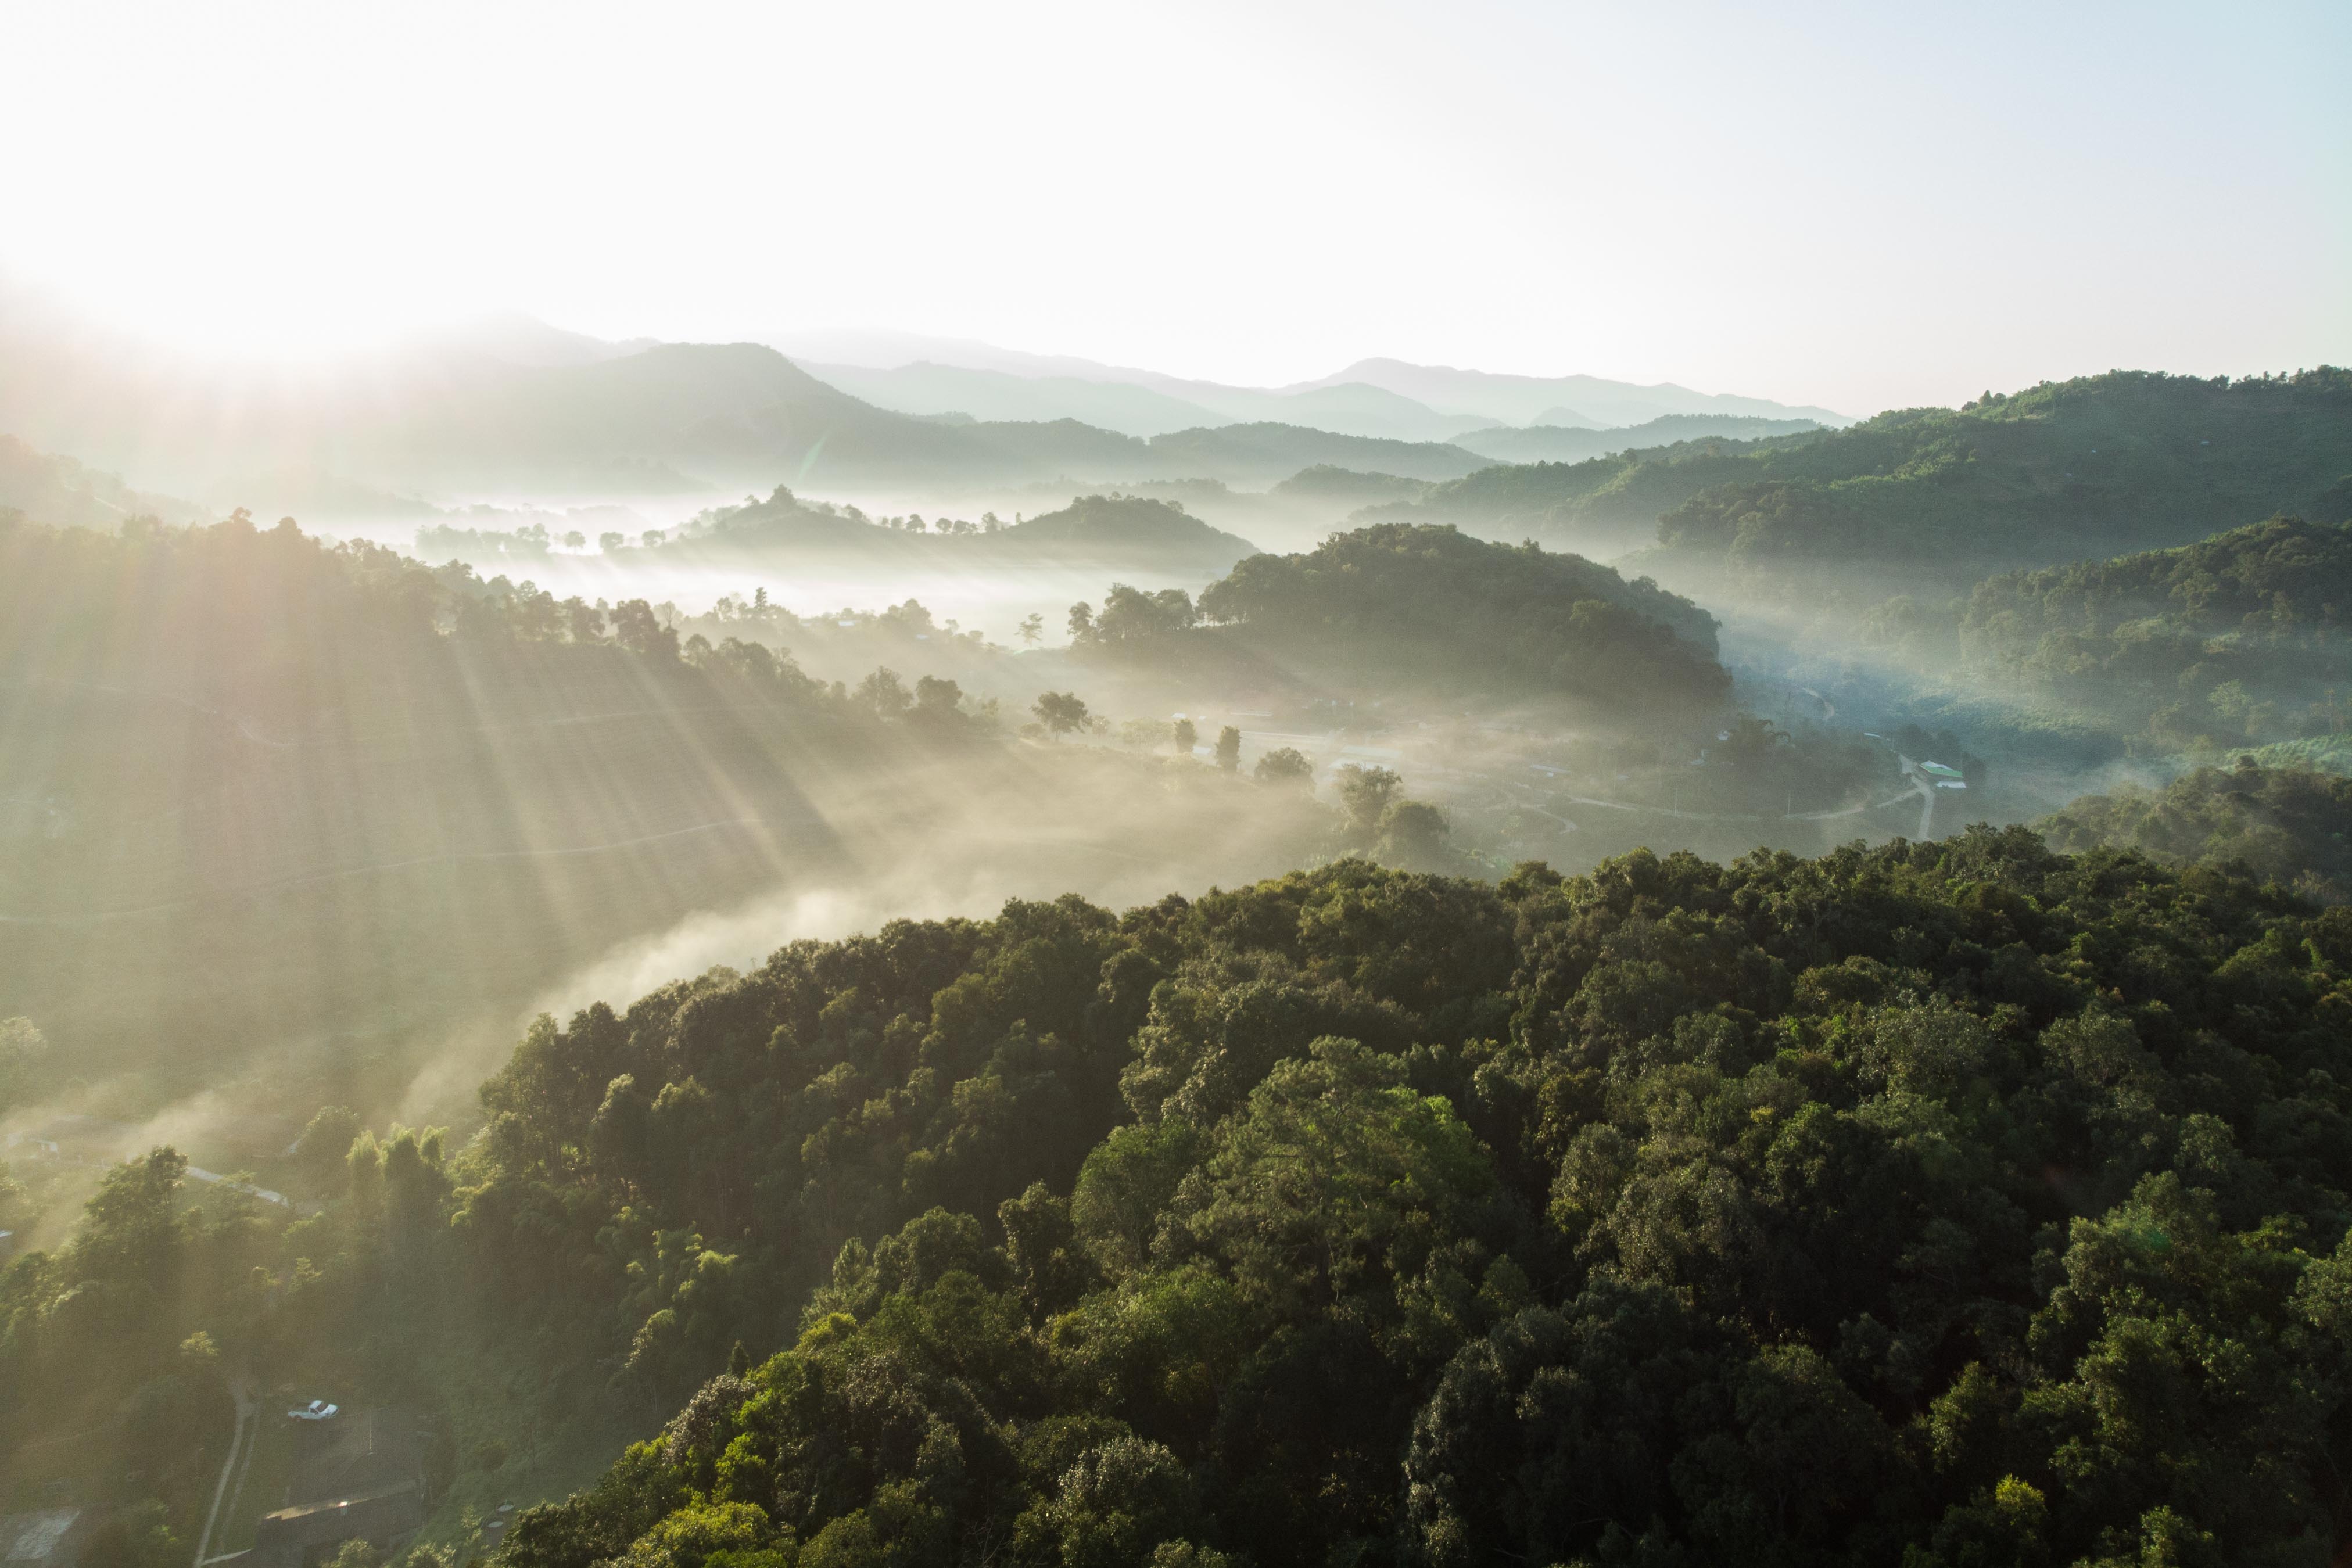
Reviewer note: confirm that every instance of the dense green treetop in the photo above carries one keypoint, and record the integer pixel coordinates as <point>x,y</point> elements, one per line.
<point>1937,1203</point>
<point>1903,1206</point>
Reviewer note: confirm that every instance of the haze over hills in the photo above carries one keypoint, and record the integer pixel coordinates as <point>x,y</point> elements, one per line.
<point>505,403</point>
<point>1551,400</point>
<point>1147,406</point>
<point>1374,397</point>
<point>61,491</point>
<point>1121,533</point>
<point>2094,466</point>
<point>1551,443</point>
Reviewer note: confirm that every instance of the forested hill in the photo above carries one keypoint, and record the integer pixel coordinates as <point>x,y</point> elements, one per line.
<point>2090,468</point>
<point>2243,638</point>
<point>258,786</point>
<point>1600,505</point>
<point>1430,609</point>
<point>1111,532</point>
<point>1570,444</point>
<point>1257,455</point>
<point>2094,466</point>
<point>1933,1204</point>
<point>1953,1205</point>
<point>63,493</point>
<point>2238,639</point>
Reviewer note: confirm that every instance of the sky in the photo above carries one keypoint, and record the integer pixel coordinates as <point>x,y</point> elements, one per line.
<point>1860,206</point>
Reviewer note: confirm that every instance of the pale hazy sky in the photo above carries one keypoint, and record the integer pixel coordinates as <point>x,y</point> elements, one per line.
<point>1857,205</point>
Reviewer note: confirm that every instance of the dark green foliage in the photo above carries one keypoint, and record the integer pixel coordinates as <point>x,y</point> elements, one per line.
<point>1954,1203</point>
<point>2283,825</point>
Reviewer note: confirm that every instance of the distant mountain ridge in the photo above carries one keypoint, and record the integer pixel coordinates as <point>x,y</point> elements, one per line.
<point>1137,408</point>
<point>1565,444</point>
<point>1542,399</point>
<point>1374,397</point>
<point>509,404</point>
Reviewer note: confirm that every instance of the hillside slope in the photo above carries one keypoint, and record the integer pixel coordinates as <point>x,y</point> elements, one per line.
<point>2060,472</point>
<point>1555,400</point>
<point>1568,444</point>
<point>63,493</point>
<point>1430,610</point>
<point>2091,468</point>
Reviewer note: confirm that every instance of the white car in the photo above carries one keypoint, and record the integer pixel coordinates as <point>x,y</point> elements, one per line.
<point>317,1410</point>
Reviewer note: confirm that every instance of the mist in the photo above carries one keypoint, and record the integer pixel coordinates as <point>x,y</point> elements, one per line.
<point>1200,787</point>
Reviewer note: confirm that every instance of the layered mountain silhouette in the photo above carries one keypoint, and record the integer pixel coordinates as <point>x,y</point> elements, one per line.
<point>1378,397</point>
<point>509,404</point>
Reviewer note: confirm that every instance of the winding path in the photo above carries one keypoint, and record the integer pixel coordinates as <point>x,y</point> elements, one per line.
<point>246,1438</point>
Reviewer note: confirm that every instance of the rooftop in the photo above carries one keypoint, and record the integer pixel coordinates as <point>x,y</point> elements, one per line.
<point>36,1537</point>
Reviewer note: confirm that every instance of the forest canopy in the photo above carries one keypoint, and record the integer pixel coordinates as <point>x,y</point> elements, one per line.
<point>1944,1204</point>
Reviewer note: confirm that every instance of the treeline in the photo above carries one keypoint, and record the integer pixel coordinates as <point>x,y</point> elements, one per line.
<point>1932,1204</point>
<point>1425,609</point>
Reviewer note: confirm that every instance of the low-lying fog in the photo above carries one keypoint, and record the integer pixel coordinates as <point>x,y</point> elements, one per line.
<point>959,837</point>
